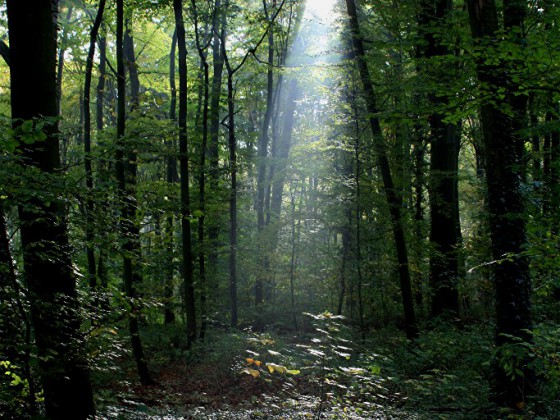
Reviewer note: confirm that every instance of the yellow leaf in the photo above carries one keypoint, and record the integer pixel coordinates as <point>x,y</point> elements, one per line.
<point>254,373</point>
<point>249,360</point>
<point>274,367</point>
<point>258,363</point>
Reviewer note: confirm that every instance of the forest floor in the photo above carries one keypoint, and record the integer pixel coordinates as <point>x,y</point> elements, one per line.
<point>328,373</point>
<point>242,375</point>
<point>199,392</point>
<point>190,392</point>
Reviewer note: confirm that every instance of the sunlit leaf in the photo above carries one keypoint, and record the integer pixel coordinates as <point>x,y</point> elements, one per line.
<point>254,373</point>
<point>274,367</point>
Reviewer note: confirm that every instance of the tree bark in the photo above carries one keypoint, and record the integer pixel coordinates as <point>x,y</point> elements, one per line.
<point>89,205</point>
<point>5,52</point>
<point>219,26</point>
<point>169,314</point>
<point>202,174</point>
<point>443,185</point>
<point>48,269</point>
<point>262,154</point>
<point>126,180</point>
<point>512,280</point>
<point>383,164</point>
<point>184,163</point>
<point>232,144</point>
<point>100,122</point>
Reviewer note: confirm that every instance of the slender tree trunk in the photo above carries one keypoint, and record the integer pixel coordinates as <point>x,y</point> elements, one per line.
<point>285,144</point>
<point>100,122</point>
<point>293,257</point>
<point>262,155</point>
<point>90,237</point>
<point>214,129</point>
<point>232,143</point>
<point>536,152</point>
<point>184,162</point>
<point>169,314</point>
<point>383,163</point>
<point>419,151</point>
<point>346,237</point>
<point>358,198</point>
<point>100,90</point>
<point>126,180</point>
<point>444,153</point>
<point>46,253</point>
<point>512,280</point>
<point>202,175</point>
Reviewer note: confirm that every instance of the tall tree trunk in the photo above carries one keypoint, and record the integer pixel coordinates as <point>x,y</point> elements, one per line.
<point>262,154</point>
<point>346,238</point>
<point>358,216</point>
<point>100,122</point>
<point>232,143</point>
<point>536,152</point>
<point>202,174</point>
<point>184,162</point>
<point>383,164</point>
<point>293,257</point>
<point>444,153</point>
<point>284,146</point>
<point>512,280</point>
<point>46,254</point>
<point>90,237</point>
<point>219,25</point>
<point>126,180</point>
<point>169,314</point>
<point>100,90</point>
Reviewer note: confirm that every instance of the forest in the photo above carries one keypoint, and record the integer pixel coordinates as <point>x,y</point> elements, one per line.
<point>279,209</point>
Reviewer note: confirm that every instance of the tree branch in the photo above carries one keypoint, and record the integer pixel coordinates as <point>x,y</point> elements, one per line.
<point>5,52</point>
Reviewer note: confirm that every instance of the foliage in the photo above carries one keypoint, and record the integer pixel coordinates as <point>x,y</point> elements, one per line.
<point>14,391</point>
<point>446,373</point>
<point>544,355</point>
<point>330,247</point>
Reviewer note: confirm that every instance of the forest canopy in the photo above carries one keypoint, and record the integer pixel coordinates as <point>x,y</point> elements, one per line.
<point>279,208</point>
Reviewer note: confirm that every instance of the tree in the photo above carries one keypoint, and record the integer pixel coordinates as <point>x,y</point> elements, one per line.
<point>262,146</point>
<point>126,179</point>
<point>444,159</point>
<point>184,162</point>
<point>384,167</point>
<point>48,269</point>
<point>89,206</point>
<point>499,117</point>
<point>171,172</point>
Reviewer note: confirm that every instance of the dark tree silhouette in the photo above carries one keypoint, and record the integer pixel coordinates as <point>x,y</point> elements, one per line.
<point>48,269</point>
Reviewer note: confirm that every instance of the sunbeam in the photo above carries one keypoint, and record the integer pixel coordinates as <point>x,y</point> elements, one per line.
<point>323,10</point>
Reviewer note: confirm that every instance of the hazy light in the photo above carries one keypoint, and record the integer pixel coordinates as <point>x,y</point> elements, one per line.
<point>322,10</point>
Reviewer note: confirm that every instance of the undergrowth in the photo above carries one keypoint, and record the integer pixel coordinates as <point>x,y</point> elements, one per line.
<point>331,373</point>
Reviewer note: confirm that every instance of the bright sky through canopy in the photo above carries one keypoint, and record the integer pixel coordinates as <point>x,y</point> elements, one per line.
<point>321,9</point>
<point>317,33</point>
